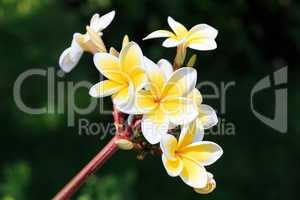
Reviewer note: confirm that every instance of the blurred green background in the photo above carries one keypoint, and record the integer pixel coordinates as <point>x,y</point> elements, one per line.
<point>40,153</point>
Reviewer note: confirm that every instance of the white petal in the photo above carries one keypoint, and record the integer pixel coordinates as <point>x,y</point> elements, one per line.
<point>76,51</point>
<point>125,98</point>
<point>190,133</point>
<point>168,145</point>
<point>171,42</point>
<point>193,174</point>
<point>203,44</point>
<point>203,30</point>
<point>65,61</point>
<point>98,24</point>
<point>105,88</point>
<point>177,27</point>
<point>183,80</point>
<point>153,131</point>
<point>159,34</point>
<point>173,168</point>
<point>180,110</point>
<point>166,68</point>
<point>204,153</point>
<point>207,116</point>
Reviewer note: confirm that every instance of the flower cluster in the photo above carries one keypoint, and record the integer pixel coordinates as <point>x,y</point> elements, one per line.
<point>162,96</point>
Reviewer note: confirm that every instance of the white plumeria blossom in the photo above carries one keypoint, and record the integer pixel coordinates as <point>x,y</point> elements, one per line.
<point>199,37</point>
<point>125,75</point>
<point>81,43</point>
<point>165,102</point>
<point>187,157</point>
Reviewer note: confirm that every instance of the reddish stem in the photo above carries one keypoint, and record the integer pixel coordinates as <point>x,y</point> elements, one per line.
<point>89,169</point>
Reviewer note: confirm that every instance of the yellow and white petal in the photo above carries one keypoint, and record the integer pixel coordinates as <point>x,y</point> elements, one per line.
<point>193,174</point>
<point>154,126</point>
<point>166,68</point>
<point>173,167</point>
<point>210,186</point>
<point>177,27</point>
<point>125,41</point>
<point>138,78</point>
<point>159,34</point>
<point>202,31</point>
<point>204,153</point>
<point>124,97</point>
<point>155,76</point>
<point>180,110</point>
<point>144,102</point>
<point>131,57</point>
<point>189,134</point>
<point>65,61</point>
<point>203,44</point>
<point>202,37</point>
<point>207,116</point>
<point>105,88</point>
<point>181,82</point>
<point>106,63</point>
<point>196,96</point>
<point>172,42</point>
<point>168,145</point>
<point>99,23</point>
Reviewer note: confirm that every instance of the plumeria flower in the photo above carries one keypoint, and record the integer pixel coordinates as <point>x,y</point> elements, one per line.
<point>210,185</point>
<point>187,157</point>
<point>89,42</point>
<point>207,116</point>
<point>165,102</point>
<point>199,37</point>
<point>125,75</point>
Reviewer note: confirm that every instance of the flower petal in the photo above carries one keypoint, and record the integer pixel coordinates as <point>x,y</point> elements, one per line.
<point>202,31</point>
<point>159,34</point>
<point>173,167</point>
<point>189,134</point>
<point>138,78</point>
<point>76,50</point>
<point>196,96</point>
<point>125,97</point>
<point>144,102</point>
<point>166,68</point>
<point>210,186</point>
<point>171,42</point>
<point>108,66</point>
<point>131,57</point>
<point>65,61</point>
<point>202,37</point>
<point>193,174</point>
<point>203,44</point>
<point>181,82</point>
<point>179,110</point>
<point>100,23</point>
<point>204,153</point>
<point>207,116</point>
<point>168,145</point>
<point>105,88</point>
<point>154,125</point>
<point>155,76</point>
<point>177,27</point>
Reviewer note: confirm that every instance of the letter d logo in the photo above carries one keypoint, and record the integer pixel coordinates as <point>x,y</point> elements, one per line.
<point>279,122</point>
